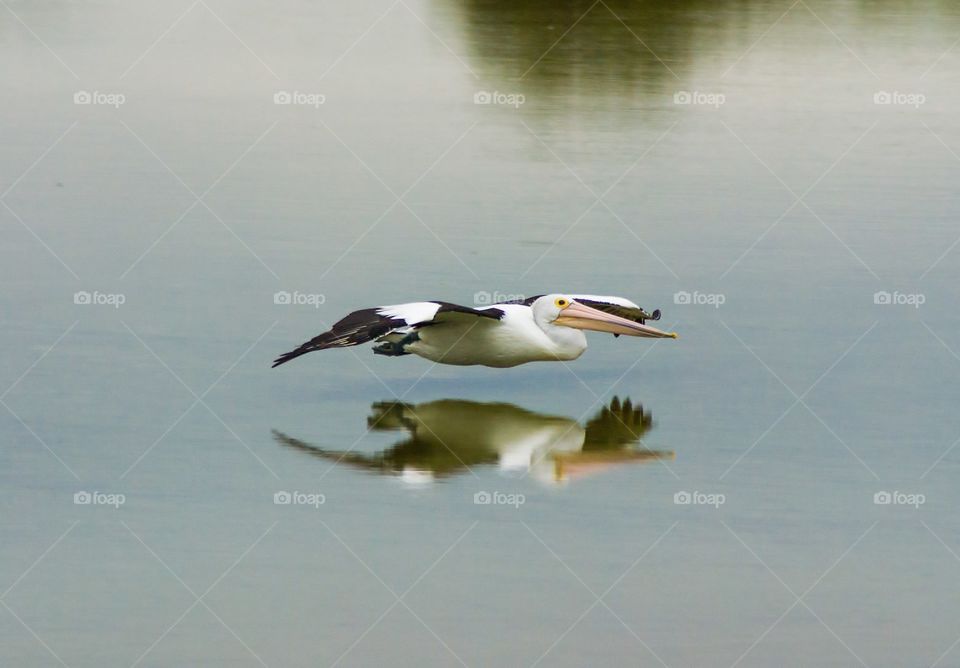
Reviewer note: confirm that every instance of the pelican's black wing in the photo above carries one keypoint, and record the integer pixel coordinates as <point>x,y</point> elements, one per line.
<point>372,323</point>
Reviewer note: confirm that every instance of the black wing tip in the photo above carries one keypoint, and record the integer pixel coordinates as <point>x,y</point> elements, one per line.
<point>286,357</point>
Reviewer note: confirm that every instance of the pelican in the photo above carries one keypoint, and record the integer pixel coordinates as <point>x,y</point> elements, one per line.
<point>505,334</point>
<point>451,436</point>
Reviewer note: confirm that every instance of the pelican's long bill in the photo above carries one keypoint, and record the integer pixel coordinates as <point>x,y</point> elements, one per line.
<point>585,317</point>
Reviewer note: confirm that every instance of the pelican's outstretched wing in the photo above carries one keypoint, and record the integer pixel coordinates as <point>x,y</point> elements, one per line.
<point>616,426</point>
<point>372,323</point>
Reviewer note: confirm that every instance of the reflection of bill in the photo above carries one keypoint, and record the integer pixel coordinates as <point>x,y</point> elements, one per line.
<point>448,436</point>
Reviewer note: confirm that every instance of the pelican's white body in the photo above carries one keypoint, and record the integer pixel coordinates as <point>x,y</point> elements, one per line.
<point>523,441</point>
<point>515,339</point>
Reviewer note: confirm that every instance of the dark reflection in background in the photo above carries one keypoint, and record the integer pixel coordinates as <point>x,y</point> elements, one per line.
<point>597,63</point>
<point>614,55</point>
<point>448,436</point>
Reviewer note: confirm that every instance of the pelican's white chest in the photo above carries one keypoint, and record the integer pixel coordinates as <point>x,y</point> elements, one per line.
<point>514,339</point>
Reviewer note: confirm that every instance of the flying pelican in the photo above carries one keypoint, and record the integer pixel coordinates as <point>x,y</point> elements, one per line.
<point>451,436</point>
<point>541,328</point>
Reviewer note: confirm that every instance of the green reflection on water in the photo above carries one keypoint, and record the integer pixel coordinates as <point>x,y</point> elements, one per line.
<point>450,436</point>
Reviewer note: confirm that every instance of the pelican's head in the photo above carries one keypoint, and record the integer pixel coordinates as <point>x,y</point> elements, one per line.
<point>600,314</point>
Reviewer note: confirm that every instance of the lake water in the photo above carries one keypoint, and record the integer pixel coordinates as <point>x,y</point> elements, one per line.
<point>780,179</point>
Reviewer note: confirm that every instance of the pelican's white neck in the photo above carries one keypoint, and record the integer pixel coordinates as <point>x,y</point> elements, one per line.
<point>569,343</point>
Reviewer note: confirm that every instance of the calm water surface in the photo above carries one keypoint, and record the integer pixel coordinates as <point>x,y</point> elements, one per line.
<point>757,170</point>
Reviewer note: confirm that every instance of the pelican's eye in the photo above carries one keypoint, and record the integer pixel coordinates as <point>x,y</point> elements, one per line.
<point>562,302</point>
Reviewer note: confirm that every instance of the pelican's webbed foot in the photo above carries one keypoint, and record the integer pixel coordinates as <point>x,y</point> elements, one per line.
<point>395,348</point>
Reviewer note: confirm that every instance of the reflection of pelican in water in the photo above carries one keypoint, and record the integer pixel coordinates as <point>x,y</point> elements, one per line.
<point>448,436</point>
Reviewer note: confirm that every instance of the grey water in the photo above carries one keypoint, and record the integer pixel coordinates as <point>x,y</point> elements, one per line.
<point>190,188</point>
